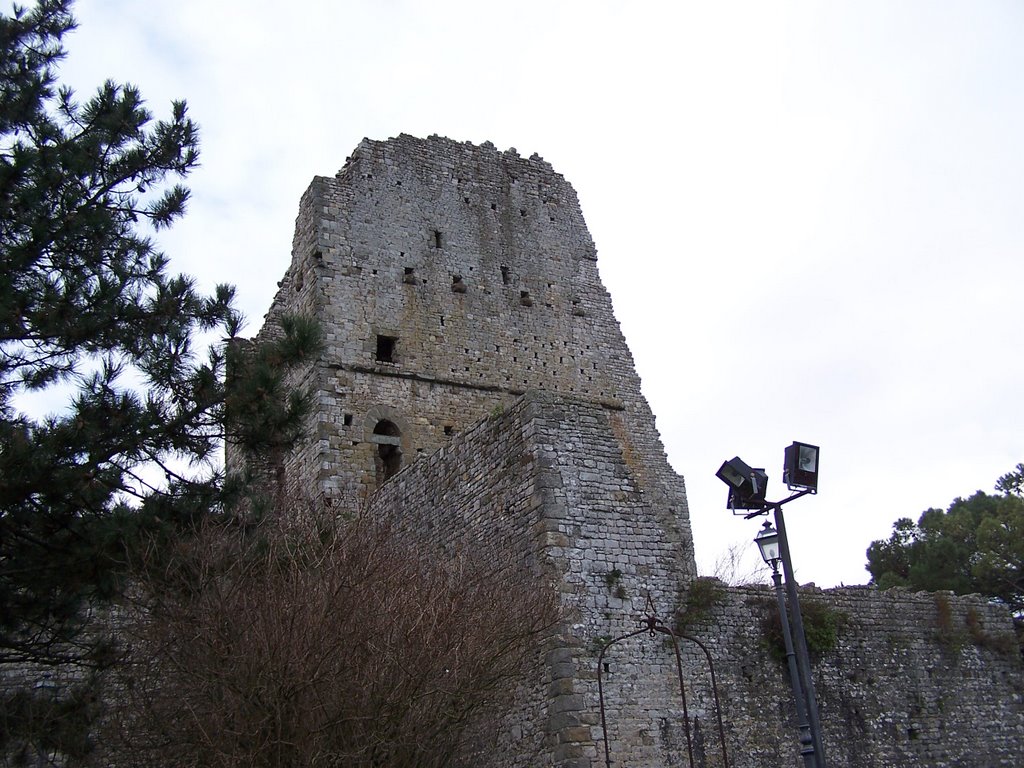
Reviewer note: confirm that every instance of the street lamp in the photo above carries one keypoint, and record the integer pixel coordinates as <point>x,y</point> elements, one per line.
<point>748,491</point>
<point>767,541</point>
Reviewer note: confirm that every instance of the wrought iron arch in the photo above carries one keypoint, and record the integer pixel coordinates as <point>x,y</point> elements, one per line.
<point>654,626</point>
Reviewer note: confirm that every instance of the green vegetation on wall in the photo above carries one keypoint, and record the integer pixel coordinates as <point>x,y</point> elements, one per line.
<point>697,603</point>
<point>822,625</point>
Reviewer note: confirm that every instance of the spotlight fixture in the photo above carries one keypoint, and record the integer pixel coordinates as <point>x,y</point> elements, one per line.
<point>800,468</point>
<point>747,486</point>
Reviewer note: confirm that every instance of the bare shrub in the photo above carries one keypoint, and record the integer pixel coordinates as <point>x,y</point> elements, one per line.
<point>739,565</point>
<point>321,644</point>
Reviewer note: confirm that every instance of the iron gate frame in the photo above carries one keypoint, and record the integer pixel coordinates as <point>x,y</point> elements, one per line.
<point>654,626</point>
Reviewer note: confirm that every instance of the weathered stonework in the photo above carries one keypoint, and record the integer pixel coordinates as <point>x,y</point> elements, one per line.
<point>549,480</point>
<point>914,679</point>
<point>475,385</point>
<point>450,279</point>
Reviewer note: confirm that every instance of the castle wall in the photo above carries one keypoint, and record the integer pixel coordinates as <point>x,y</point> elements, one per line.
<point>914,680</point>
<point>476,386</point>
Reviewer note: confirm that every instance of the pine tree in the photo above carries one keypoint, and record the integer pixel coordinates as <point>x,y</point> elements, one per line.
<point>91,313</point>
<point>976,545</point>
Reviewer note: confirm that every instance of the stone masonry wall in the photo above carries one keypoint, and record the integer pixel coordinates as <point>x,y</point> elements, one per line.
<point>549,479</point>
<point>479,491</point>
<point>915,680</point>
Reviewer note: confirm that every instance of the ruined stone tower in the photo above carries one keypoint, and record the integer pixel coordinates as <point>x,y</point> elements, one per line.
<point>475,386</point>
<point>450,279</point>
<point>475,383</point>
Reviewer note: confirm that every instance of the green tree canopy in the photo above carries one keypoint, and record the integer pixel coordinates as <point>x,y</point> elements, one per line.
<point>977,545</point>
<point>91,315</point>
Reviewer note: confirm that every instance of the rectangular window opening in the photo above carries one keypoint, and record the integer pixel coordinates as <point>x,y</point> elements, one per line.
<point>437,238</point>
<point>386,349</point>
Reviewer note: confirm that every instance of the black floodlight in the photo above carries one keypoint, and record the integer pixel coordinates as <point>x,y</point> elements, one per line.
<point>800,469</point>
<point>734,473</point>
<point>747,486</point>
<point>767,541</point>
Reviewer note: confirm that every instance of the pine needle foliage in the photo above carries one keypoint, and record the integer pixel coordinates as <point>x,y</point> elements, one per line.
<point>94,322</point>
<point>974,546</point>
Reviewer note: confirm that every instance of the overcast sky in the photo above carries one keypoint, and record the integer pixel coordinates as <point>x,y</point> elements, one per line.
<point>808,215</point>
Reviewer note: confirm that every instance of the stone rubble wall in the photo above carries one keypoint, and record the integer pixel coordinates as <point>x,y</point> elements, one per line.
<point>914,680</point>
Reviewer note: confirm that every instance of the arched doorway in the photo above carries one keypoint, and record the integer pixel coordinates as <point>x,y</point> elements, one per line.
<point>388,459</point>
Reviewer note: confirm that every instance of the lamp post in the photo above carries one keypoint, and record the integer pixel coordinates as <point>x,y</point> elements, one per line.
<point>767,541</point>
<point>747,496</point>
